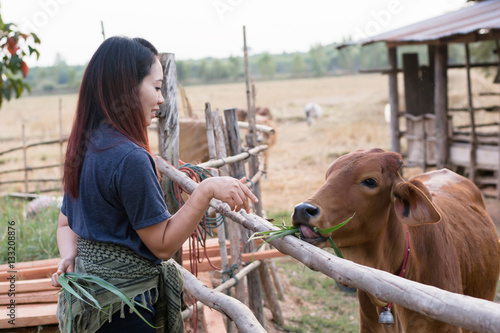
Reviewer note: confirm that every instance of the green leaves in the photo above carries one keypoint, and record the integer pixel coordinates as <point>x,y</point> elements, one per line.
<point>15,47</point>
<point>72,285</point>
<point>285,230</point>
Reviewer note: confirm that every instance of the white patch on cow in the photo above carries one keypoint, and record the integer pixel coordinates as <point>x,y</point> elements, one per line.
<point>439,179</point>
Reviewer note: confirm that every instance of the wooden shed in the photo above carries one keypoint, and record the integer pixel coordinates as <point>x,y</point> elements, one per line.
<point>432,140</point>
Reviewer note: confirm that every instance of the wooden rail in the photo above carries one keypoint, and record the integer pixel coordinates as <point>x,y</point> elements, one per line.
<point>35,298</point>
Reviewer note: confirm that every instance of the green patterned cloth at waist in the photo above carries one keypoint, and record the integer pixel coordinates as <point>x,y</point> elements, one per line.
<point>134,276</point>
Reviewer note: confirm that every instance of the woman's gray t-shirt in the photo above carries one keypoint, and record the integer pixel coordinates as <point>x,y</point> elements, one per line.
<point>119,193</point>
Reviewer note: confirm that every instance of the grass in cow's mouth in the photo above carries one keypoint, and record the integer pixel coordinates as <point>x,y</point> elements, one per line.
<point>285,230</point>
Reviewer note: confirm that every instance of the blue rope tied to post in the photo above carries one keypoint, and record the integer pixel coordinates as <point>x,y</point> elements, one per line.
<point>230,271</point>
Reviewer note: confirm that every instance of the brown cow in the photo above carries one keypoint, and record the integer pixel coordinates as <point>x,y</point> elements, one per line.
<point>263,116</point>
<point>193,144</point>
<point>454,243</point>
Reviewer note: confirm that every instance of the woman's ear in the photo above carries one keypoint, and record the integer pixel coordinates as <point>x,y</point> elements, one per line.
<point>412,204</point>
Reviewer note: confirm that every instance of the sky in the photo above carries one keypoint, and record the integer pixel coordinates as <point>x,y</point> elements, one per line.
<point>195,29</point>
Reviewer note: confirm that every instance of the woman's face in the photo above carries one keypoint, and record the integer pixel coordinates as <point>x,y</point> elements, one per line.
<point>150,92</point>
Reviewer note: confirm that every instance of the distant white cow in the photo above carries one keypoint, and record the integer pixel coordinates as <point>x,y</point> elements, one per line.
<point>41,203</point>
<point>313,111</point>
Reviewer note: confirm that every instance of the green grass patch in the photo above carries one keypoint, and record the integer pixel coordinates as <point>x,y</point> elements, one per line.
<point>323,306</point>
<point>35,237</point>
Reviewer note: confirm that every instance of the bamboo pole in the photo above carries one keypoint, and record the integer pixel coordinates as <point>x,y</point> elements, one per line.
<point>270,292</point>
<point>224,286</point>
<point>473,143</point>
<point>234,159</point>
<point>231,307</point>
<point>468,312</point>
<point>237,171</point>
<point>258,127</point>
<point>250,105</point>
<point>221,233</point>
<point>254,283</point>
<point>253,162</point>
<point>277,281</point>
<point>42,143</point>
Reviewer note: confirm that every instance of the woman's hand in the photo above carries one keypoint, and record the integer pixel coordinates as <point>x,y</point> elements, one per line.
<point>66,265</point>
<point>230,190</point>
<point>165,238</point>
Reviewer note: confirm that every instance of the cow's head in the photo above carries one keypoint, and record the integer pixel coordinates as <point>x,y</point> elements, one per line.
<point>365,184</point>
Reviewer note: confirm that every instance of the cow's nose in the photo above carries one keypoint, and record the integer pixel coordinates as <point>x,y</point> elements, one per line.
<point>304,212</point>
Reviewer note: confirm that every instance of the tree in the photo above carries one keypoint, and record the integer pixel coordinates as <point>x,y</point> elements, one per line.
<point>235,67</point>
<point>318,60</point>
<point>266,65</point>
<point>15,47</point>
<point>219,70</point>
<point>203,70</point>
<point>298,65</point>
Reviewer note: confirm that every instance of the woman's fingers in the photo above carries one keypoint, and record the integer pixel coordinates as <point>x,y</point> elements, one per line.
<point>64,265</point>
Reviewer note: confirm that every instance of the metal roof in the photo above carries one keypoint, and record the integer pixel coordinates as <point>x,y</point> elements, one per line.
<point>480,21</point>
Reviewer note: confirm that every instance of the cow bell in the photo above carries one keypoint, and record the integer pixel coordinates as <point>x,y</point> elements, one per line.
<point>386,317</point>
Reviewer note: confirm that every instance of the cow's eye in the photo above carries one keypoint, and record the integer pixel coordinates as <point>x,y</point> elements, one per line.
<point>370,182</point>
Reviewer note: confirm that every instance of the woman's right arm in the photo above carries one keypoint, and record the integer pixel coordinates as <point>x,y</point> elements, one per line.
<point>166,238</point>
<point>66,241</point>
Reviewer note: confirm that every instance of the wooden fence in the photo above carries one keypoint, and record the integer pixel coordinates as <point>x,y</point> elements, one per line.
<point>27,169</point>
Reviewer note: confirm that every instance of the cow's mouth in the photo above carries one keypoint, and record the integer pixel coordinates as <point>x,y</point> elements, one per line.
<point>309,235</point>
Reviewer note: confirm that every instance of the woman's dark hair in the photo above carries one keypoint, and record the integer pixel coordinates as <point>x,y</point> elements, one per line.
<point>110,92</point>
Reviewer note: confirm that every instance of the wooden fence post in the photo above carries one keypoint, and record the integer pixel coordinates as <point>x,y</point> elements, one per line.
<point>237,170</point>
<point>168,129</point>
<point>441,105</point>
<point>61,143</point>
<point>25,157</point>
<point>394,100</point>
<point>473,139</point>
<point>498,171</point>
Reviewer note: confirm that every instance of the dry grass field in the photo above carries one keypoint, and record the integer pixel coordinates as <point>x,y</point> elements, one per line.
<point>353,118</point>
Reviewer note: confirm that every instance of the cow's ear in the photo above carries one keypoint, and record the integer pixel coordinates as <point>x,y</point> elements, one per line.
<point>413,205</point>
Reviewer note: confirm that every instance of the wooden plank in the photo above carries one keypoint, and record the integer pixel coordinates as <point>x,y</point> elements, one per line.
<point>31,264</point>
<point>30,315</point>
<point>31,273</point>
<point>26,286</point>
<point>216,261</point>
<point>49,296</point>
<point>487,156</point>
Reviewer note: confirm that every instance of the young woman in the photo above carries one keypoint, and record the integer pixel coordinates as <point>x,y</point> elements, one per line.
<point>114,223</point>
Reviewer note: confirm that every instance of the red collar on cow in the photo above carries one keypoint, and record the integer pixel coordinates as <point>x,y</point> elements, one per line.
<point>387,309</point>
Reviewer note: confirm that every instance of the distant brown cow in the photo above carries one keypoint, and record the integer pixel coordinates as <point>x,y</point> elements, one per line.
<point>263,116</point>
<point>454,243</point>
<point>193,146</point>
